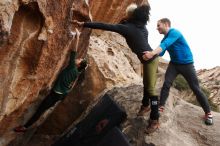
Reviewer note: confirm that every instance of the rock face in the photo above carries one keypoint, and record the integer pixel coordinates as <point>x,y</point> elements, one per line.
<point>210,79</point>
<point>180,123</point>
<point>35,43</point>
<point>110,11</point>
<point>34,46</point>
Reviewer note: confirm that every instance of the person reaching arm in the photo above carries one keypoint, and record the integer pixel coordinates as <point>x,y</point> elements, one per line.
<point>181,62</point>
<point>133,29</point>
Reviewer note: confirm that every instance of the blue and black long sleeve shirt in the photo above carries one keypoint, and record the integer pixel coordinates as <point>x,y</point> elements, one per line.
<point>177,47</point>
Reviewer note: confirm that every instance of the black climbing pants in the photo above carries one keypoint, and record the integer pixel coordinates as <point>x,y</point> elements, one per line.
<point>48,102</point>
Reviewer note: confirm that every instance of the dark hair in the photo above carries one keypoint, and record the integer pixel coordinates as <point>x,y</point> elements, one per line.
<point>165,20</point>
<point>82,66</point>
<point>141,14</point>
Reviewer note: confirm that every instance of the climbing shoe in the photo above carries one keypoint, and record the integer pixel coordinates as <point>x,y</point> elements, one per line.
<point>208,119</point>
<point>20,129</point>
<point>143,110</point>
<point>152,126</point>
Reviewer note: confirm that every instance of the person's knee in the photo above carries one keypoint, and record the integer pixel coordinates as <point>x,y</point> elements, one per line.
<point>150,92</point>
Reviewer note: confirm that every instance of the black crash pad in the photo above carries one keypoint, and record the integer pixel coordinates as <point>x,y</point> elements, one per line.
<point>85,132</point>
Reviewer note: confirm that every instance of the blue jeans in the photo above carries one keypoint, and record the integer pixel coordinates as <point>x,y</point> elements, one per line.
<point>189,73</point>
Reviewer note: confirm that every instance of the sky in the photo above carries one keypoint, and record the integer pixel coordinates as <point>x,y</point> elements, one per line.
<point>199,22</point>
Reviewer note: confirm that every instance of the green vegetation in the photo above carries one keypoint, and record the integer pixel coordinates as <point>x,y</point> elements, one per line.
<point>181,85</point>
<point>205,91</point>
<point>217,82</point>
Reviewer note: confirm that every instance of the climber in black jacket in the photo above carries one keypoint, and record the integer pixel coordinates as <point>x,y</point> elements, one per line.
<point>133,29</point>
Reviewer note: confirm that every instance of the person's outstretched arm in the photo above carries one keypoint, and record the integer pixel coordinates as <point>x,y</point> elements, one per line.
<point>119,28</point>
<point>75,48</point>
<point>73,52</point>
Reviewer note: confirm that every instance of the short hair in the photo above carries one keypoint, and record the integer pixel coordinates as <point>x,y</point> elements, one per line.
<point>165,20</point>
<point>83,65</point>
<point>141,14</point>
<point>130,9</point>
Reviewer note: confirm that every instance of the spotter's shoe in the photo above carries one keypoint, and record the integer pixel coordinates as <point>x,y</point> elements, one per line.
<point>143,110</point>
<point>152,127</point>
<point>208,119</point>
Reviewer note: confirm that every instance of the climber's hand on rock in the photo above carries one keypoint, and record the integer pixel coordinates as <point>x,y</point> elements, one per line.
<point>78,23</point>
